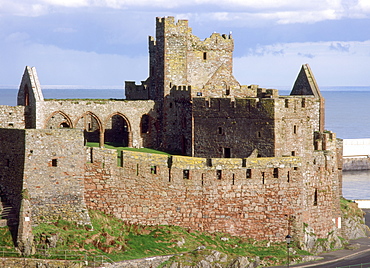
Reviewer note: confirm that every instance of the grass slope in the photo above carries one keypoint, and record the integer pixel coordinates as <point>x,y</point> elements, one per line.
<point>122,241</point>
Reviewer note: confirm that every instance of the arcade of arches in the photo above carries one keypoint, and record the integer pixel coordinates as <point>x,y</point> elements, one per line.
<point>115,131</point>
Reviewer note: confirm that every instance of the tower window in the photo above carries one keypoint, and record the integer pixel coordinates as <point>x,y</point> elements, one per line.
<point>220,130</point>
<point>219,174</point>
<point>54,162</point>
<point>227,152</point>
<point>249,173</point>
<point>186,174</point>
<point>153,169</point>
<point>276,173</point>
<point>315,198</point>
<point>295,129</point>
<point>286,103</point>
<point>204,55</point>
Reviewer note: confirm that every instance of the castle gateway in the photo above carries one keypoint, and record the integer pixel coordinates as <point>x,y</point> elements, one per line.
<point>244,159</point>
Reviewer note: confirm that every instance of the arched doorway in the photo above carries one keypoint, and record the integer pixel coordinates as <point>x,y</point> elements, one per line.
<point>117,131</point>
<point>92,127</point>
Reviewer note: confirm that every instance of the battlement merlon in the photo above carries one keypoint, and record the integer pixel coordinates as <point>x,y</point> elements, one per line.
<point>168,26</point>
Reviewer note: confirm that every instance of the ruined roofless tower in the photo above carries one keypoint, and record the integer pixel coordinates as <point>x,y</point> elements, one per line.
<point>178,58</point>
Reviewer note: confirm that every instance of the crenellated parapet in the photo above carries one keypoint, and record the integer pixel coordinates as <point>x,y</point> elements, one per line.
<point>136,92</point>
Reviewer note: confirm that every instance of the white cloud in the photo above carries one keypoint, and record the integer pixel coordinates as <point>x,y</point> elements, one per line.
<point>283,11</point>
<point>58,66</point>
<point>345,65</point>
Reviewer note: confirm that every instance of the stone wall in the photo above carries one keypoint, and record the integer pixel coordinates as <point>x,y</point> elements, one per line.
<point>38,263</point>
<point>53,175</point>
<point>239,126</point>
<point>12,116</point>
<point>254,197</point>
<point>12,160</point>
<point>356,163</point>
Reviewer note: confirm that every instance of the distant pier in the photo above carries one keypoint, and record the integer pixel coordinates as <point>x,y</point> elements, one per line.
<point>356,154</point>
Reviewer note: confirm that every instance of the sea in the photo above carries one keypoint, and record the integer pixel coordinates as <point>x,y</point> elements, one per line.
<point>347,113</point>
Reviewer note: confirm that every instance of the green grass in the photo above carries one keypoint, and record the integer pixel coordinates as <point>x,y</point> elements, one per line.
<point>5,237</point>
<point>120,148</point>
<point>122,241</point>
<point>350,208</point>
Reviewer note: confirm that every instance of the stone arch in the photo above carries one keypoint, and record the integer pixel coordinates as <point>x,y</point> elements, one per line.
<point>92,126</point>
<point>58,119</point>
<point>118,130</point>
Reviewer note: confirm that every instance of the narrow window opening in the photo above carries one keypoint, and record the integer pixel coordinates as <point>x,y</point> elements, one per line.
<point>185,174</point>
<point>295,129</point>
<point>286,103</point>
<point>54,162</point>
<point>276,173</point>
<point>145,123</point>
<point>263,177</point>
<point>89,127</point>
<point>202,179</point>
<point>7,163</point>
<point>303,103</point>
<point>227,152</point>
<point>315,198</point>
<point>153,169</point>
<point>199,94</point>
<point>293,153</point>
<point>11,125</point>
<point>288,177</point>
<point>220,130</point>
<point>120,159</point>
<point>219,174</point>
<point>259,134</point>
<point>249,173</point>
<point>91,155</point>
<point>295,168</point>
<point>233,182</point>
<point>137,169</point>
<point>204,55</point>
<point>170,104</point>
<point>227,93</point>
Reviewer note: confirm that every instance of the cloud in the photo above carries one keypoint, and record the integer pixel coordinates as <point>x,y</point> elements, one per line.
<point>306,55</point>
<point>64,30</point>
<point>331,67</point>
<point>56,66</point>
<point>340,47</point>
<point>283,11</point>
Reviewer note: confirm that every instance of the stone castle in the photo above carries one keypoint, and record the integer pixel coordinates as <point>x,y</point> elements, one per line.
<point>244,159</point>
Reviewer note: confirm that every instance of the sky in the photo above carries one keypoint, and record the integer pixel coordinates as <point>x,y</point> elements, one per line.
<point>102,43</point>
